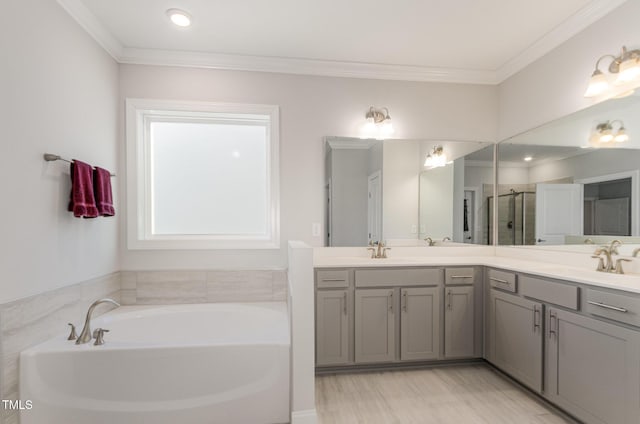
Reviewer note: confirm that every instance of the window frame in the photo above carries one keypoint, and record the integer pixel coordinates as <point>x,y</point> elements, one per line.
<point>139,115</point>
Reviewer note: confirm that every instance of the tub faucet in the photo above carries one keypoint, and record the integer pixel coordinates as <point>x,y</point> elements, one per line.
<point>86,336</point>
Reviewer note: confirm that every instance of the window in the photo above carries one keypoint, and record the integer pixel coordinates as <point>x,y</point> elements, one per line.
<point>202,175</point>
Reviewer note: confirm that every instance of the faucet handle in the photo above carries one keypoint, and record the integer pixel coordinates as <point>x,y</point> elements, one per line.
<point>99,335</point>
<point>600,262</point>
<point>72,335</point>
<point>384,252</point>
<point>619,269</point>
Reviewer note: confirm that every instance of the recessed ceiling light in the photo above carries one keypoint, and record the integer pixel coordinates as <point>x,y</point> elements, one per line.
<point>528,159</point>
<point>179,17</point>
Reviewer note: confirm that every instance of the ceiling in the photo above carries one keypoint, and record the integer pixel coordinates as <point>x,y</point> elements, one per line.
<point>424,40</point>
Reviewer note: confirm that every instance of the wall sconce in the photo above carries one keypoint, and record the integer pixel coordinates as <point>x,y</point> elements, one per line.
<point>626,66</point>
<point>436,159</point>
<point>605,133</point>
<point>378,124</point>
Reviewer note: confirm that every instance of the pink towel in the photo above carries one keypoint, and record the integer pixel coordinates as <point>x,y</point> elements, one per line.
<point>102,190</point>
<point>81,201</point>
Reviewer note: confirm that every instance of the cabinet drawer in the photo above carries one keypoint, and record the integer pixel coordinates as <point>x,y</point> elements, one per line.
<point>398,277</point>
<point>457,276</point>
<point>549,291</point>
<point>619,307</point>
<point>503,280</point>
<point>332,278</point>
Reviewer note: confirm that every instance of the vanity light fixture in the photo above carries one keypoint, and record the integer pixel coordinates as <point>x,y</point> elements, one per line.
<point>378,124</point>
<point>179,17</point>
<point>605,132</point>
<point>626,67</point>
<point>436,159</point>
<point>528,158</point>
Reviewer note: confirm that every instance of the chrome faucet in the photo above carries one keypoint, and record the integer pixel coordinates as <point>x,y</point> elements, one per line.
<point>86,335</point>
<point>430,241</point>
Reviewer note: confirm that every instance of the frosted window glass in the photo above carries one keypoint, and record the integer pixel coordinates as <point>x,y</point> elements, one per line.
<point>209,178</point>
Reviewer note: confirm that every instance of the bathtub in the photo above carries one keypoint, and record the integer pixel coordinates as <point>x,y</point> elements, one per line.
<point>184,364</point>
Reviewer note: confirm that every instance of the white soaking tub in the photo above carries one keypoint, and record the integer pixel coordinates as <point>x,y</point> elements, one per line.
<point>180,364</point>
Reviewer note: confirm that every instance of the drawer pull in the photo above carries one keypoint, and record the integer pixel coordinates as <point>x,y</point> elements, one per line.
<point>498,280</point>
<point>604,305</point>
<point>333,279</point>
<point>462,276</point>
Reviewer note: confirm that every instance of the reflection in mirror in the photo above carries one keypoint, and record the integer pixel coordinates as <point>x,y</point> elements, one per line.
<point>570,182</point>
<point>454,197</point>
<point>373,192</point>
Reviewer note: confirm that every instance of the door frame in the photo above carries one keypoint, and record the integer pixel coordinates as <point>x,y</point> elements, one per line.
<point>635,193</point>
<point>370,177</point>
<point>477,231</point>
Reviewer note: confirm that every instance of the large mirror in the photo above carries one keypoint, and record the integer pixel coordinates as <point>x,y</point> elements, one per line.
<point>383,191</point>
<point>574,181</point>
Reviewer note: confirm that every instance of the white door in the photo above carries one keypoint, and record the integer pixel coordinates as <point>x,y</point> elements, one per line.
<point>374,207</point>
<point>558,212</point>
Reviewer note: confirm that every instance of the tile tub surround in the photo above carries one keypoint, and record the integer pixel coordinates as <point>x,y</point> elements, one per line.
<point>171,287</point>
<point>29,321</point>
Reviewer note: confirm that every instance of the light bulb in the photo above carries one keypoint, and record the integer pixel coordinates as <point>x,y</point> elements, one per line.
<point>179,17</point>
<point>386,128</point>
<point>598,84</point>
<point>629,70</point>
<point>621,136</point>
<point>428,162</point>
<point>606,136</point>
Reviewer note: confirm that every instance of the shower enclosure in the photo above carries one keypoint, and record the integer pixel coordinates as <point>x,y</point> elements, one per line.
<point>516,218</point>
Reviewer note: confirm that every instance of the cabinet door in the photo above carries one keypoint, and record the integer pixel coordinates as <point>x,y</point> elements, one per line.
<point>332,327</point>
<point>420,323</point>
<point>516,337</point>
<point>593,368</point>
<point>459,322</point>
<point>374,325</point>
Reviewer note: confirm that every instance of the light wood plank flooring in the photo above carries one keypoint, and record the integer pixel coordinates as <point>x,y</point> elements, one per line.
<point>463,394</point>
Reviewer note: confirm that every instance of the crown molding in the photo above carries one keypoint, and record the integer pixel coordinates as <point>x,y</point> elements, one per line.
<point>561,33</point>
<point>305,66</point>
<point>90,23</point>
<point>567,29</point>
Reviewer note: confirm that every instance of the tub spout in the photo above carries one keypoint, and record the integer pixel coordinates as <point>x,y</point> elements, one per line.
<point>86,336</point>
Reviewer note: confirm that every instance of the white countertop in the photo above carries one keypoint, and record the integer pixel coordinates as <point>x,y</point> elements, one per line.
<point>626,282</point>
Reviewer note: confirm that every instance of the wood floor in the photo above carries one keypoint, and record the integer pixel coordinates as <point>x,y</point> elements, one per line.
<point>463,394</point>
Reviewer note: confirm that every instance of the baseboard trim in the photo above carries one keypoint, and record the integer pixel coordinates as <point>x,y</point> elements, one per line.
<point>309,416</point>
<point>396,366</point>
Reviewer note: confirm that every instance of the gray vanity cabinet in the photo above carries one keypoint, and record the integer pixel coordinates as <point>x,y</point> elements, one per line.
<point>375,337</point>
<point>515,337</point>
<point>459,322</point>
<point>419,323</point>
<point>332,327</point>
<point>593,368</point>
